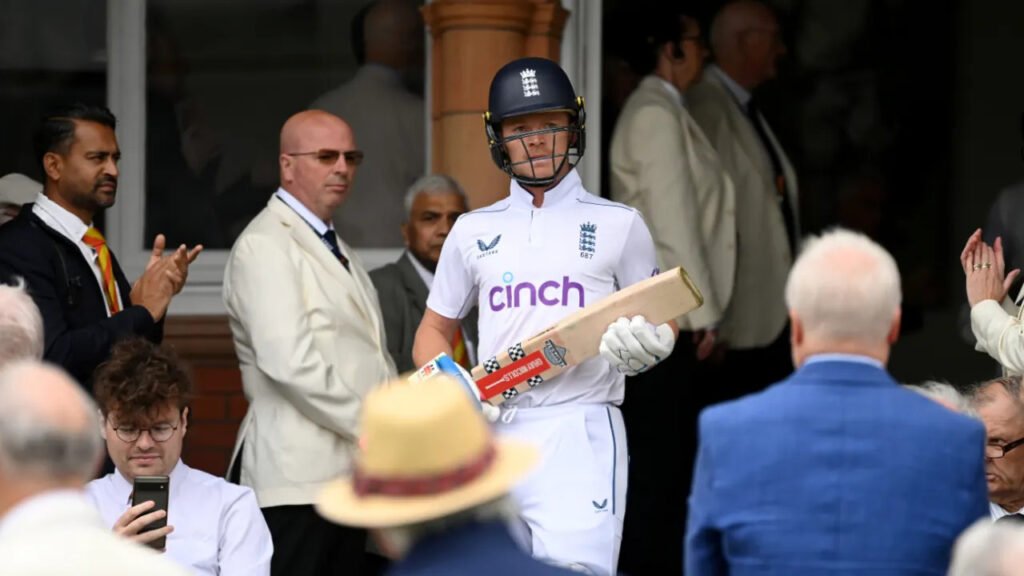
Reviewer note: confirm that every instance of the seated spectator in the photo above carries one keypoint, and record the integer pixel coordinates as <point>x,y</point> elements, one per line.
<point>1000,406</point>
<point>21,326</point>
<point>16,190</point>
<point>433,482</point>
<point>432,205</point>
<point>837,469</point>
<point>213,527</point>
<point>987,549</point>
<point>49,449</point>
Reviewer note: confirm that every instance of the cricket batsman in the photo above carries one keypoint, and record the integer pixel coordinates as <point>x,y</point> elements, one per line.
<point>536,256</point>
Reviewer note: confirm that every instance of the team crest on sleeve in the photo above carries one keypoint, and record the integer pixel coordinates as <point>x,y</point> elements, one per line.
<point>588,240</point>
<point>488,248</point>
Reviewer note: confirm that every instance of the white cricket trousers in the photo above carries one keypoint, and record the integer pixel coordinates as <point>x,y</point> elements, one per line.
<point>574,502</point>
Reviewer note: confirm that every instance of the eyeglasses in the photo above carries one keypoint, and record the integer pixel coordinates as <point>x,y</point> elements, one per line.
<point>329,157</point>
<point>996,451</point>
<point>159,433</point>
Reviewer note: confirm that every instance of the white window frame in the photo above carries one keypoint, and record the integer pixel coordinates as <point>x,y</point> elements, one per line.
<point>126,89</point>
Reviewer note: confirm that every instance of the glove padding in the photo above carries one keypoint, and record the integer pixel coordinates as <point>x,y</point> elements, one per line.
<point>634,346</point>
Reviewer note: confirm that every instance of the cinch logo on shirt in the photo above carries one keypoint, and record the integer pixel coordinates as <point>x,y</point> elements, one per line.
<point>549,293</point>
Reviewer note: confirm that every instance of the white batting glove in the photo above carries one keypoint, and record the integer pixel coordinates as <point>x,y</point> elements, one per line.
<point>634,346</point>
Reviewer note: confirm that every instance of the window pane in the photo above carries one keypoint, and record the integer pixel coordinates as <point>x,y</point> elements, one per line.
<point>222,77</point>
<point>51,52</point>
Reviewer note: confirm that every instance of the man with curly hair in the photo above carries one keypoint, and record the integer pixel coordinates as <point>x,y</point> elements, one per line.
<point>213,527</point>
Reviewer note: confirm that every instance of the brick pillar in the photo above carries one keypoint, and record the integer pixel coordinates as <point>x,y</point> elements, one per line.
<point>471,40</point>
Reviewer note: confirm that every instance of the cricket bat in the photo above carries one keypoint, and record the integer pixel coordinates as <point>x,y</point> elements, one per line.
<point>577,337</point>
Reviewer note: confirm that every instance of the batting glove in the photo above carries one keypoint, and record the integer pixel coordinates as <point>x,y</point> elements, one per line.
<point>634,346</point>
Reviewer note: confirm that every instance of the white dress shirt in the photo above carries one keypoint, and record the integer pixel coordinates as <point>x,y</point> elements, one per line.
<point>69,226</point>
<point>218,527</point>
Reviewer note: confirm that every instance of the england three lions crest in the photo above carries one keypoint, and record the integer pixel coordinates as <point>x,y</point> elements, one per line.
<point>588,240</point>
<point>530,86</point>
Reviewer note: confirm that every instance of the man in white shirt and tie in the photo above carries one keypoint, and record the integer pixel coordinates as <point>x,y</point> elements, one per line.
<point>214,528</point>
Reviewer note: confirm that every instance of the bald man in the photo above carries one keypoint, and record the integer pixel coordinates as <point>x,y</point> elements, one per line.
<point>49,449</point>
<point>308,333</point>
<point>746,42</point>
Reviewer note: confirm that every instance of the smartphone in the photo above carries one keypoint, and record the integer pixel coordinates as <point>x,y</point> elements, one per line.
<point>155,488</point>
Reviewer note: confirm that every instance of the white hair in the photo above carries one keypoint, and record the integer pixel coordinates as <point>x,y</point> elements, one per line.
<point>988,549</point>
<point>844,287</point>
<point>944,393</point>
<point>21,326</point>
<point>400,539</point>
<point>432,184</point>
<point>32,444</point>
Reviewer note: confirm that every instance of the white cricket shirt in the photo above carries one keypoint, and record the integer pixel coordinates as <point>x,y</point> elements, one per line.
<point>526,268</point>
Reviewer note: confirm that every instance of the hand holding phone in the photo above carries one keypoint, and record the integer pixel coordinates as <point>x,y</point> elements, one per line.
<point>146,520</point>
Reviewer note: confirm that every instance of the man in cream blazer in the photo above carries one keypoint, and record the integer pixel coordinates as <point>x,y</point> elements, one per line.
<point>664,166</point>
<point>746,43</point>
<point>307,329</point>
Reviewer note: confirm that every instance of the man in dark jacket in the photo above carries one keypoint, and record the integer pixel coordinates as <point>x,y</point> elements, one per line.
<point>83,295</point>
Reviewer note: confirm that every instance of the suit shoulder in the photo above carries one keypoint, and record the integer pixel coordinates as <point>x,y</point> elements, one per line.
<point>386,276</point>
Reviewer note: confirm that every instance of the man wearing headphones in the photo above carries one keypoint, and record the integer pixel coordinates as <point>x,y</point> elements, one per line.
<point>526,261</point>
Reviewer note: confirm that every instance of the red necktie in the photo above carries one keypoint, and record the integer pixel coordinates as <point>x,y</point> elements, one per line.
<point>95,239</point>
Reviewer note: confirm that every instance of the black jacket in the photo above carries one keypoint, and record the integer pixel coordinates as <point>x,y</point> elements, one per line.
<point>60,280</point>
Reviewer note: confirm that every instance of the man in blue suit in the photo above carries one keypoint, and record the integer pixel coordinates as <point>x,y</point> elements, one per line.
<point>837,469</point>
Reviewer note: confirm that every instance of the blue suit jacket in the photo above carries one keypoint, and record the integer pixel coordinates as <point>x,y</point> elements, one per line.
<point>836,470</point>
<point>477,549</point>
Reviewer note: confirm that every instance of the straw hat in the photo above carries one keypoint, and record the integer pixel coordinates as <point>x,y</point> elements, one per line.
<point>18,189</point>
<point>426,452</point>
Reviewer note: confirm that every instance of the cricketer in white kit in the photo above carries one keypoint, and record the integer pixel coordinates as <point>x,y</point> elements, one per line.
<point>545,251</point>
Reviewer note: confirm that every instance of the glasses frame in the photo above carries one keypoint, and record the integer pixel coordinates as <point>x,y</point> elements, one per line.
<point>1003,449</point>
<point>352,157</point>
<point>138,433</point>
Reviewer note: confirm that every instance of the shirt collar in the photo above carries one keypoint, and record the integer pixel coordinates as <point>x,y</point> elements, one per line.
<point>426,275</point>
<point>672,91</point>
<point>741,94</point>
<point>997,511</point>
<point>837,357</point>
<point>316,223</point>
<point>565,189</point>
<point>73,228</point>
